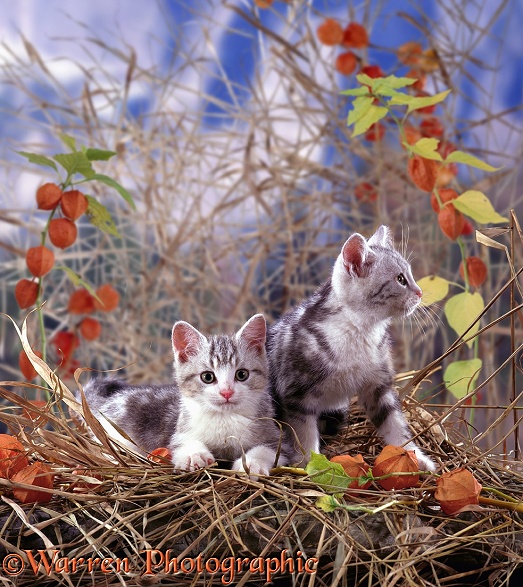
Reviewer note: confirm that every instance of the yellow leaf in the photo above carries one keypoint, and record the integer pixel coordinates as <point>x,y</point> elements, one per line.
<point>460,377</point>
<point>462,309</point>
<point>426,148</point>
<point>476,205</point>
<point>466,159</point>
<point>434,289</point>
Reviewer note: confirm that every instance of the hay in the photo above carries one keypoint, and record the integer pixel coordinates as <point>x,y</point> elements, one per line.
<point>111,503</point>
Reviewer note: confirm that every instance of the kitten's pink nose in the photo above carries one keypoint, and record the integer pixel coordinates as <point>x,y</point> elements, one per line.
<point>419,292</point>
<point>227,393</point>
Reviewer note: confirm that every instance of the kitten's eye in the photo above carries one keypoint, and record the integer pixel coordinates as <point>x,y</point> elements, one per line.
<point>242,375</point>
<point>401,279</point>
<point>208,377</point>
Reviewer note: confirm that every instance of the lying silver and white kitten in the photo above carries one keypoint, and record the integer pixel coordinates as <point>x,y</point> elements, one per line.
<point>336,345</point>
<point>219,406</point>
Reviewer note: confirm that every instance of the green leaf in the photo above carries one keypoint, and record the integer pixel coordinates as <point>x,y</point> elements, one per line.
<point>476,205</point>
<point>68,141</point>
<point>434,289</point>
<point>356,92</point>
<point>462,309</point>
<point>99,154</point>
<point>76,162</point>
<point>426,148</point>
<point>38,159</point>
<point>415,103</point>
<point>327,503</point>
<point>382,85</point>
<point>466,159</point>
<point>100,217</point>
<point>330,476</point>
<point>360,106</point>
<point>390,82</point>
<point>401,99</point>
<point>460,377</point>
<point>373,114</point>
<point>114,184</point>
<point>76,280</point>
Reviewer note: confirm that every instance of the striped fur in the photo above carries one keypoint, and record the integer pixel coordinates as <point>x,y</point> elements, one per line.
<point>335,345</point>
<point>227,419</point>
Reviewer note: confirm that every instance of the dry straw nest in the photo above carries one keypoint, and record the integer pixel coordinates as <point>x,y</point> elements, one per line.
<point>110,503</point>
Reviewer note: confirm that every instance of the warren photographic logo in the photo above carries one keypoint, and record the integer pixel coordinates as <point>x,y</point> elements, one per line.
<point>159,563</point>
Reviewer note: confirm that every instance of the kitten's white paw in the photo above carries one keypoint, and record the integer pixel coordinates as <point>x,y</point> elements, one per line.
<point>258,461</point>
<point>253,468</point>
<point>186,460</point>
<point>425,463</point>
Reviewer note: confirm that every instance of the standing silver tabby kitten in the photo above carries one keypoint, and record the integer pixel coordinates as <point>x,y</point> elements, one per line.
<point>219,406</point>
<point>335,344</point>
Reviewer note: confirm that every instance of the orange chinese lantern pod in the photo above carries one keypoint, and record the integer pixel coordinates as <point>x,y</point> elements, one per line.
<point>12,456</point>
<point>373,71</point>
<point>365,192</point>
<point>354,467</point>
<point>263,3</point>
<point>445,195</point>
<point>74,204</point>
<point>476,270</point>
<point>39,260</point>
<point>456,490</point>
<point>160,455</point>
<point>108,298</point>
<point>423,172</point>
<point>446,174</point>
<point>62,232</point>
<point>445,148</point>
<point>419,76</point>
<point>346,63</point>
<point>468,228</point>
<point>409,53</point>
<point>39,475</point>
<point>451,221</point>
<point>432,127</point>
<point>355,35</point>
<point>330,32</point>
<point>26,293</point>
<point>429,60</point>
<point>394,459</point>
<point>376,132</point>
<point>48,196</point>
<point>65,344</point>
<point>81,302</point>
<point>26,367</point>
<point>90,328</point>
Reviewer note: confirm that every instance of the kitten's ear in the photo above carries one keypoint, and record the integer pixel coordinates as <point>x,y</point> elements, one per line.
<point>254,332</point>
<point>187,341</point>
<point>382,238</point>
<point>357,255</point>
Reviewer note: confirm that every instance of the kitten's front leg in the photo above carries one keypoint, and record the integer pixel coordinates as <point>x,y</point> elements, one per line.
<point>304,435</point>
<point>383,409</point>
<point>259,460</point>
<point>191,455</point>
